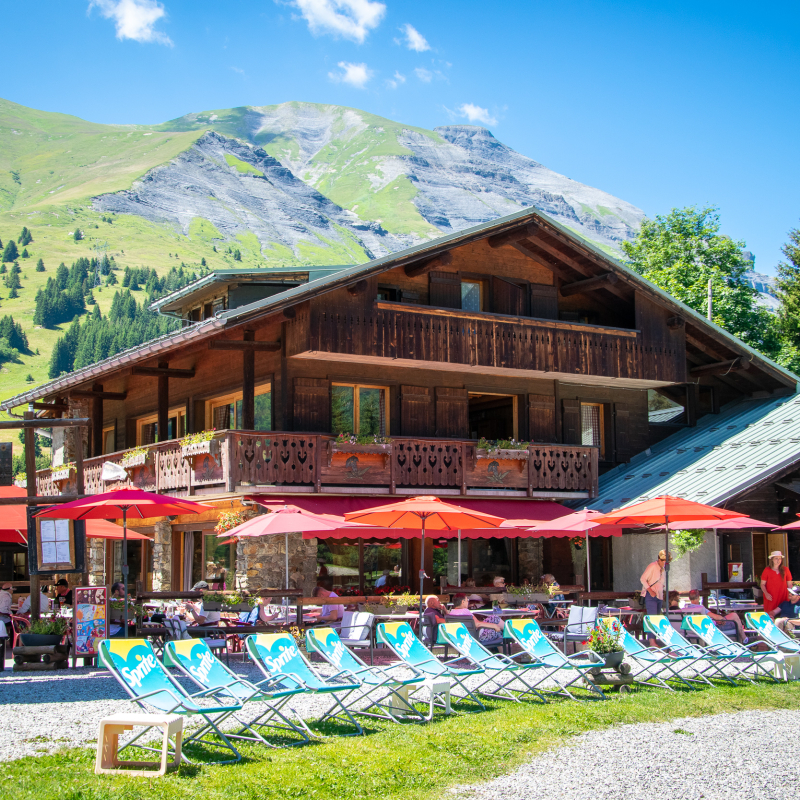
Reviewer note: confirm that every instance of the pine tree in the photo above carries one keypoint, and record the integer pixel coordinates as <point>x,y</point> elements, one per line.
<point>203,261</point>
<point>24,253</point>
<point>40,265</point>
<point>237,256</point>
<point>78,235</point>
<point>25,237</point>
<point>13,294</point>
<point>789,314</point>
<point>111,280</point>
<point>10,253</point>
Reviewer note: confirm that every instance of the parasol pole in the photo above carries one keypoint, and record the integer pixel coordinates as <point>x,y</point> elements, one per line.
<point>459,557</point>
<point>421,576</point>
<point>125,566</point>
<point>666,569</point>
<point>286,553</point>
<point>588,568</point>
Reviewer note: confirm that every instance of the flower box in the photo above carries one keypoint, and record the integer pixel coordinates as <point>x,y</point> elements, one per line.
<point>524,599</point>
<point>382,449</point>
<point>137,460</point>
<point>61,474</point>
<point>501,454</point>
<point>210,446</point>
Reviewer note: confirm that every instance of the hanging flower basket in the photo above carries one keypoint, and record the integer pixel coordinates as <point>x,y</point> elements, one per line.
<point>62,473</point>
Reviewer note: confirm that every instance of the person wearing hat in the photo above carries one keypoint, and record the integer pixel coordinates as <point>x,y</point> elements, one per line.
<point>200,616</point>
<point>63,594</point>
<point>775,582</point>
<point>653,579</point>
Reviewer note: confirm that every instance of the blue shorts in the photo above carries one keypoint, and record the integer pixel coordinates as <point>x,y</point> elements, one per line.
<point>788,609</point>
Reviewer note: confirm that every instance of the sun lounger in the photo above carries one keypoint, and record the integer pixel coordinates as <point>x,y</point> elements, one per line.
<point>716,641</point>
<point>135,666</point>
<point>501,672</point>
<point>196,661</point>
<point>399,637</point>
<point>763,624</point>
<point>704,660</point>
<point>564,670</point>
<point>279,658</point>
<point>388,696</point>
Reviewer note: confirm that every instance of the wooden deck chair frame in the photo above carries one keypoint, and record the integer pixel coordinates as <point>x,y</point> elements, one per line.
<point>281,650</point>
<point>391,633</point>
<point>529,636</point>
<point>180,701</point>
<point>195,660</point>
<point>501,671</point>
<point>376,685</point>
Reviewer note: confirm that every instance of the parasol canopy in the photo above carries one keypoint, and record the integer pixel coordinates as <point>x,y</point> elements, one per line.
<point>736,524</point>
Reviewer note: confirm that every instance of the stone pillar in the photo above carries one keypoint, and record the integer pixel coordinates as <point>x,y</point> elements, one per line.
<point>95,561</point>
<point>162,556</point>
<point>529,558</point>
<point>261,563</point>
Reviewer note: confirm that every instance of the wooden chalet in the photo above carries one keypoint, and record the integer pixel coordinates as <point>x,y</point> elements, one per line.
<point>517,329</point>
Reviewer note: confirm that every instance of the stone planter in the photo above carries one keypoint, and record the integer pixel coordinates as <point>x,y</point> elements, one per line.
<point>39,639</point>
<point>211,446</point>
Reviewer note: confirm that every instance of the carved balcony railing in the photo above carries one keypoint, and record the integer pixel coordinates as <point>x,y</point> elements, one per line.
<point>244,460</point>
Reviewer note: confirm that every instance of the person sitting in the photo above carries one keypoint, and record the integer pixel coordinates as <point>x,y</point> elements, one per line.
<point>674,599</point>
<point>25,606</point>
<point>262,616</point>
<point>115,627</point>
<point>730,623</point>
<point>200,616</point>
<point>6,598</point>
<point>330,613</point>
<point>460,606</point>
<point>383,579</point>
<point>548,579</point>
<point>432,618</point>
<point>475,600</point>
<point>63,595</point>
<point>490,629</point>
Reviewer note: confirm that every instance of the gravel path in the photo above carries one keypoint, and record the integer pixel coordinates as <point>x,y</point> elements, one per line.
<point>742,755</point>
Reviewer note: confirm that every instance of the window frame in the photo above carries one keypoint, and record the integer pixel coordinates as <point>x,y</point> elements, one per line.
<point>514,406</point>
<point>231,399</point>
<point>481,284</point>
<point>112,429</point>
<point>601,427</point>
<point>149,419</point>
<point>357,404</point>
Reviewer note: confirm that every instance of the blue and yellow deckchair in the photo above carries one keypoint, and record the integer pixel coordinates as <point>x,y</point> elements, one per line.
<point>702,626</point>
<point>399,637</point>
<point>500,670</point>
<point>386,695</point>
<point>763,624</point>
<point>194,659</point>
<point>279,658</point>
<point>661,628</point>
<point>135,666</point>
<point>528,635</point>
<point>653,666</point>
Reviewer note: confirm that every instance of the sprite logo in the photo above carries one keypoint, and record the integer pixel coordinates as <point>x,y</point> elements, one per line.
<point>203,669</point>
<point>136,675</point>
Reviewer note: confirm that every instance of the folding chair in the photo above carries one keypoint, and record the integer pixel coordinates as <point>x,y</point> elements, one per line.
<point>377,686</point>
<point>529,636</point>
<point>717,642</point>
<point>194,659</point>
<point>135,666</point>
<point>580,622</point>
<point>659,626</point>
<point>399,637</point>
<point>279,658</point>
<point>501,671</point>
<point>763,624</point>
<point>356,631</point>
<point>653,666</point>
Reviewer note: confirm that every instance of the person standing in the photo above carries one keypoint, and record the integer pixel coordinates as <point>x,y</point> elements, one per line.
<point>775,582</point>
<point>5,602</point>
<point>653,579</point>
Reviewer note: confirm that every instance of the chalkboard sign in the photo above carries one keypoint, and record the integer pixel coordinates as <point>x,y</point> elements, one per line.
<point>5,464</point>
<point>47,541</point>
<point>91,619</point>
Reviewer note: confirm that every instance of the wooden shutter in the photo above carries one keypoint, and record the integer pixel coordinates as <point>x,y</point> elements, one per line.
<point>544,301</point>
<point>542,418</point>
<point>452,413</point>
<point>571,421</point>
<point>416,411</point>
<point>508,297</point>
<point>312,405</point>
<point>445,289</point>
<point>622,432</point>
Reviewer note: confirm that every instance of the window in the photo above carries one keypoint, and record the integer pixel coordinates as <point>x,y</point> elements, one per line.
<point>109,439</point>
<point>359,409</point>
<point>225,413</point>
<point>471,295</point>
<point>147,427</point>
<point>592,426</point>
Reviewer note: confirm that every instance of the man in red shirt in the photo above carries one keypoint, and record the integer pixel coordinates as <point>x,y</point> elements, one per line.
<point>775,582</point>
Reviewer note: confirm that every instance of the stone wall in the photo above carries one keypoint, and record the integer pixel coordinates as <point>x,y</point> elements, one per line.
<point>162,557</point>
<point>95,561</point>
<point>529,555</point>
<point>261,560</point>
<point>65,439</point>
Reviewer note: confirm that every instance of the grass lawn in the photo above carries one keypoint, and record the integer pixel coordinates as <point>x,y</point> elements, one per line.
<point>409,761</point>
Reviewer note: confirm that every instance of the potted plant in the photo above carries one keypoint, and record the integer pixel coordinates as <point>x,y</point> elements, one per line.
<point>44,632</point>
<point>134,458</point>
<point>522,595</point>
<point>228,520</point>
<point>62,473</point>
<point>502,449</point>
<point>197,444</point>
<point>225,601</point>
<point>361,443</point>
<point>400,603</point>
<point>375,607</point>
<point>604,645</point>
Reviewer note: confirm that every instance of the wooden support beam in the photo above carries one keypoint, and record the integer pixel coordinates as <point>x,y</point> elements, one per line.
<point>721,367</point>
<point>162,372</point>
<point>97,421</point>
<point>30,483</point>
<point>86,394</point>
<point>252,346</point>
<point>423,267</point>
<point>51,406</point>
<point>249,384</point>
<point>43,423</point>
<point>590,284</point>
<point>514,235</point>
<point>357,288</point>
<point>289,313</point>
<point>39,501</point>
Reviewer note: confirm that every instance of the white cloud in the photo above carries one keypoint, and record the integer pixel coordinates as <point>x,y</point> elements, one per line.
<point>476,114</point>
<point>134,18</point>
<point>396,81</point>
<point>239,70</point>
<point>356,75</point>
<point>352,19</point>
<point>425,75</point>
<point>414,39</point>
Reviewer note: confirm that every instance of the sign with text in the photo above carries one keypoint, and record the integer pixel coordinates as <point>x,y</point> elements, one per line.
<point>6,478</point>
<point>735,572</point>
<point>91,618</point>
<point>55,545</point>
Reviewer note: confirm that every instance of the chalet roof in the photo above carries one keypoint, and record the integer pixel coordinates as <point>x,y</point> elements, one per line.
<point>749,442</point>
<point>349,275</point>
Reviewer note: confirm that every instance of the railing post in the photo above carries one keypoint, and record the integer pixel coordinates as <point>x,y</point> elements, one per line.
<point>227,457</point>
<point>317,464</point>
<point>393,472</point>
<point>530,472</point>
<point>463,468</point>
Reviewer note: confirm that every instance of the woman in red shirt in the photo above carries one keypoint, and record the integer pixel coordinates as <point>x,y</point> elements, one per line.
<point>775,581</point>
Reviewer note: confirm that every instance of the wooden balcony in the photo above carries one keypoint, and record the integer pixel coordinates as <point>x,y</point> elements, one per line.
<point>490,343</point>
<point>245,461</point>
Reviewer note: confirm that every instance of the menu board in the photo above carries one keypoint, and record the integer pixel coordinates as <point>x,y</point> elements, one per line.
<point>91,618</point>
<point>55,543</point>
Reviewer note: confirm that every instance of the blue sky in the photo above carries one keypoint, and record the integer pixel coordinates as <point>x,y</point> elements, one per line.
<point>661,103</point>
